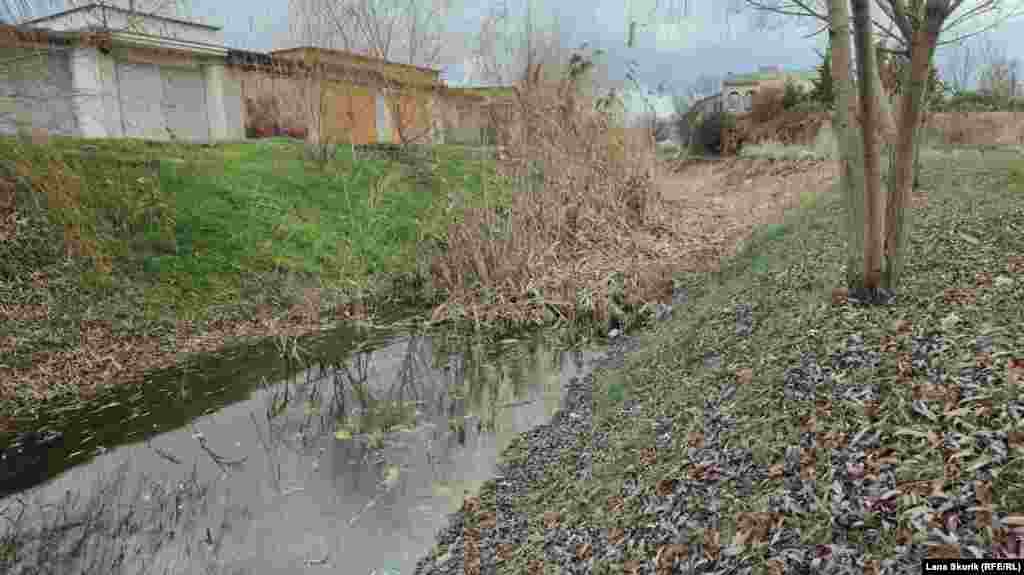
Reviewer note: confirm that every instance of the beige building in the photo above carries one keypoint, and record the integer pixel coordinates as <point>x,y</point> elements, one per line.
<point>738,89</point>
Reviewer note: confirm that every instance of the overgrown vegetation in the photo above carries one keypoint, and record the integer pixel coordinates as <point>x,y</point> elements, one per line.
<point>827,435</point>
<point>119,255</point>
<point>580,180</point>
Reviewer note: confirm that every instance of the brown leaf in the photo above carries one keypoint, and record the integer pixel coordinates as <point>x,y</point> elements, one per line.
<point>745,376</point>
<point>1015,264</point>
<point>616,535</point>
<point>952,470</point>
<point>775,566</point>
<point>776,471</point>
<point>648,456</point>
<point>551,519</point>
<point>488,520</point>
<point>615,504</point>
<point>665,487</point>
<point>840,295</point>
<point>505,552</point>
<point>943,551</point>
<point>1015,371</point>
<point>903,535</point>
<point>983,279</point>
<point>631,567</point>
<point>712,544</point>
<point>535,567</point>
<point>584,551</point>
<point>667,555</point>
<point>900,326</point>
<point>1015,438</point>
<point>958,296</point>
<point>695,439</point>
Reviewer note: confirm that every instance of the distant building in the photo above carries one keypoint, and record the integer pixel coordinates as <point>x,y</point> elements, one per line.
<point>738,89</point>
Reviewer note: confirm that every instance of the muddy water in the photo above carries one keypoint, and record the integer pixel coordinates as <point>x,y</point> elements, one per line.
<point>347,466</point>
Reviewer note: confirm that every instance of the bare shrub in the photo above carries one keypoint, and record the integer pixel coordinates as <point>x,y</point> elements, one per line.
<point>262,117</point>
<point>580,182</point>
<point>767,103</point>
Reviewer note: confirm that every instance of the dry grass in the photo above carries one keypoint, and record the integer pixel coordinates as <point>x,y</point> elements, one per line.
<point>977,128</point>
<point>767,104</point>
<point>602,229</point>
<point>582,189</point>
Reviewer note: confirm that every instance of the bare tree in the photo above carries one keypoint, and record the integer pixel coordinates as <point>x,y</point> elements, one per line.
<point>908,28</point>
<point>960,67</point>
<point>19,11</point>
<point>997,73</point>
<point>387,31</point>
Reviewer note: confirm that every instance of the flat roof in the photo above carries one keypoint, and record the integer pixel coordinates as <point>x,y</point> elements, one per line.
<point>756,77</point>
<point>123,10</point>
<point>348,54</point>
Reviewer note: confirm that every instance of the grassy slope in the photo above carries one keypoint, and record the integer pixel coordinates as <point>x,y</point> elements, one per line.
<point>210,235</point>
<point>969,236</point>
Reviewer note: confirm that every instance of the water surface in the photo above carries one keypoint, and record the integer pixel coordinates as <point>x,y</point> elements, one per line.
<point>348,466</point>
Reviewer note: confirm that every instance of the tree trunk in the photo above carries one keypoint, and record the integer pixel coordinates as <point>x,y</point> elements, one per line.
<point>868,84</point>
<point>848,138</point>
<point>922,48</point>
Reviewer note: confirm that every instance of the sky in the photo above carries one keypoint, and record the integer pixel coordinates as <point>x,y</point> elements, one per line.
<point>671,48</point>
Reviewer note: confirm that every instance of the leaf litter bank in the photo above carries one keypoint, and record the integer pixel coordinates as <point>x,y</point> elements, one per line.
<point>776,425</point>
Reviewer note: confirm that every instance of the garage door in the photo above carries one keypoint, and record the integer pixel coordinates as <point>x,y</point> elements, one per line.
<point>141,95</point>
<point>157,102</point>
<point>184,103</point>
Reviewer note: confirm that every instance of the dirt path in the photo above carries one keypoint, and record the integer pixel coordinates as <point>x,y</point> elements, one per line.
<point>711,206</point>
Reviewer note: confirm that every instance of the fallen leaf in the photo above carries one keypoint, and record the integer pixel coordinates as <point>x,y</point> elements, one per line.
<point>666,556</point>
<point>1015,371</point>
<point>840,295</point>
<point>551,519</point>
<point>695,439</point>
<point>901,326</point>
<point>665,487</point>
<point>583,551</point>
<point>712,543</point>
<point>648,456</point>
<point>943,551</point>
<point>745,376</point>
<point>776,471</point>
<point>775,566</point>
<point>505,552</point>
<point>488,520</point>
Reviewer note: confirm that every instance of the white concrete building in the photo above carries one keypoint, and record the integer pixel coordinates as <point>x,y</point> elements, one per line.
<point>151,76</point>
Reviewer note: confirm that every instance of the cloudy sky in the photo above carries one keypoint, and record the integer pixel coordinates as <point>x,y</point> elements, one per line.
<point>673,45</point>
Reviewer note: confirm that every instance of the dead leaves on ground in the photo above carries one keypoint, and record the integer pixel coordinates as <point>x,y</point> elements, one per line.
<point>753,528</point>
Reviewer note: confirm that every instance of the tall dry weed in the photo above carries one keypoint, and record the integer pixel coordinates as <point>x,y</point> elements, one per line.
<point>581,182</point>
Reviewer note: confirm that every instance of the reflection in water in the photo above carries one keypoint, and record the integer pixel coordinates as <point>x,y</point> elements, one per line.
<point>353,463</point>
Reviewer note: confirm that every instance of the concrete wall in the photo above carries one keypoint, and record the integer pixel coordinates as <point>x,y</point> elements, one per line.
<point>35,90</point>
<point>234,107</point>
<point>129,92</point>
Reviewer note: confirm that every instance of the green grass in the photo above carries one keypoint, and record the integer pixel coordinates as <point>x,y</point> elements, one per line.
<point>973,223</point>
<point>169,231</point>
